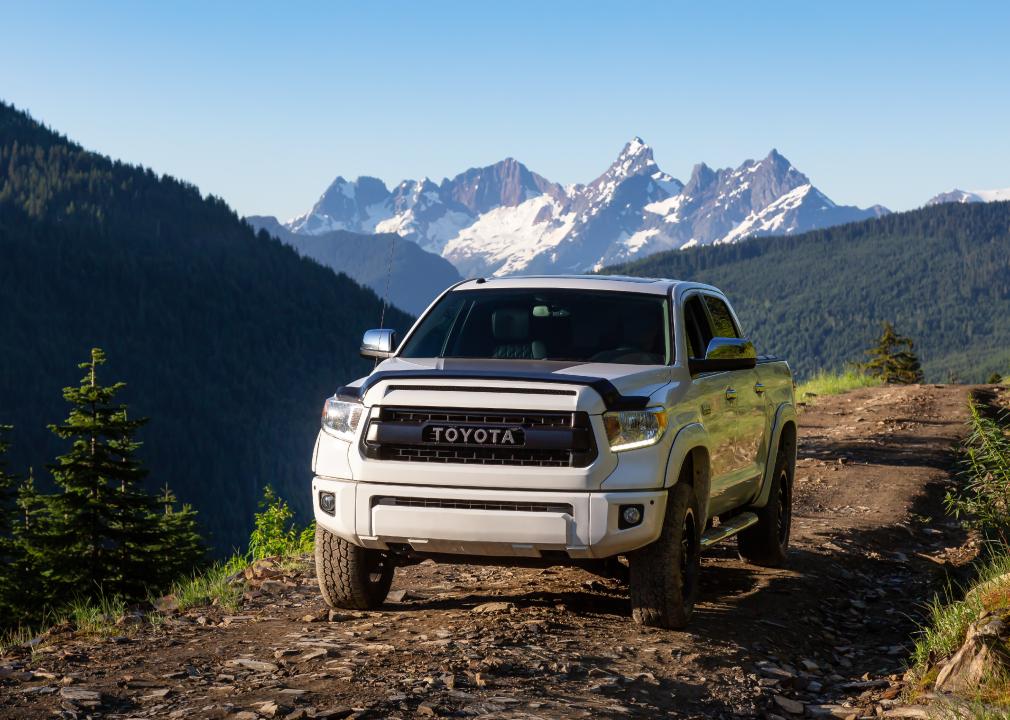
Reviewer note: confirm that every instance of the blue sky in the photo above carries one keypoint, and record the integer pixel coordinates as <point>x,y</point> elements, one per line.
<point>264,103</point>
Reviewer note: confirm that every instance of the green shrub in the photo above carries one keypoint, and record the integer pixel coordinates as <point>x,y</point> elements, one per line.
<point>983,502</point>
<point>275,533</point>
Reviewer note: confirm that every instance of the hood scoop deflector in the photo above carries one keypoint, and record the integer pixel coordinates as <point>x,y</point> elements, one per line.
<point>612,397</point>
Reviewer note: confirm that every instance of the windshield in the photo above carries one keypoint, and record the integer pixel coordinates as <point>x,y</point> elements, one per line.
<point>528,324</point>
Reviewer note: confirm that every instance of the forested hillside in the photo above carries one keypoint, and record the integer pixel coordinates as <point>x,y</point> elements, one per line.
<point>227,339</point>
<point>414,277</point>
<point>941,274</point>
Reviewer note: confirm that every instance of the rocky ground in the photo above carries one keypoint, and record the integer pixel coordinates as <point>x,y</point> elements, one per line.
<point>827,636</point>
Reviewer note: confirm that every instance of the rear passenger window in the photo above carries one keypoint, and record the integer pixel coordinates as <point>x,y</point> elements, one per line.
<point>722,320</point>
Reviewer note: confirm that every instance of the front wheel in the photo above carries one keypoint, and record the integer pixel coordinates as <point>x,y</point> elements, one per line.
<point>664,574</point>
<point>351,577</point>
<point>767,542</point>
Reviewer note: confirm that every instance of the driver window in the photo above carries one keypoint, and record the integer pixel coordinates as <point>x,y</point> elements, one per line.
<point>696,327</point>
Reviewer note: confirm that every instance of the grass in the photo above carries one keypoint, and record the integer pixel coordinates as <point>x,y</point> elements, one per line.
<point>274,535</point>
<point>834,383</point>
<point>972,710</point>
<point>211,586</point>
<point>96,617</point>
<point>92,617</point>
<point>15,637</point>
<point>983,503</point>
<point>947,626</point>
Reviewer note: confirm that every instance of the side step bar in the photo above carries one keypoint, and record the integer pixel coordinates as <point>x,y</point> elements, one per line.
<point>728,529</point>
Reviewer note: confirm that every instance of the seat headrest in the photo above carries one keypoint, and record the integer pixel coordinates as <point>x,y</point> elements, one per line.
<point>510,324</point>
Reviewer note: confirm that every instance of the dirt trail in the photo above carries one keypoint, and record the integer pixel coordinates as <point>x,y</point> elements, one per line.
<point>830,631</point>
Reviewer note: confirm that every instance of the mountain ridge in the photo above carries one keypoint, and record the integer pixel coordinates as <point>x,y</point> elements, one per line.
<point>504,218</point>
<point>970,196</point>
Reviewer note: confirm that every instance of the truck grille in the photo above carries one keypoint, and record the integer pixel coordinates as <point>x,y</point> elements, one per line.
<point>486,417</point>
<point>551,439</point>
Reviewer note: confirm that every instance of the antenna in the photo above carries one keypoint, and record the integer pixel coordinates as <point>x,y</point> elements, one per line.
<point>389,273</point>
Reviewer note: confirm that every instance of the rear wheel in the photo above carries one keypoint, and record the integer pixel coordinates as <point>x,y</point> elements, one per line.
<point>767,542</point>
<point>351,577</point>
<point>664,575</point>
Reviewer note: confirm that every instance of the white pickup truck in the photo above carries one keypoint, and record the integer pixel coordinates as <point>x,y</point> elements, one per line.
<point>564,419</point>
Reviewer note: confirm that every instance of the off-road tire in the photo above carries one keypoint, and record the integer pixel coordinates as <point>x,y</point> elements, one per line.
<point>664,575</point>
<point>767,542</point>
<point>351,577</point>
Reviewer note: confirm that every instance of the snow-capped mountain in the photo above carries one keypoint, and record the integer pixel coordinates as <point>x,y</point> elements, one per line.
<point>970,196</point>
<point>504,218</point>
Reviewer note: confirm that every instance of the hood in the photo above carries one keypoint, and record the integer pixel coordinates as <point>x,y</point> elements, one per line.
<point>592,387</point>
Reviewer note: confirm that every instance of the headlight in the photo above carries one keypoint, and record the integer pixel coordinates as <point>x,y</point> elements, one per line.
<point>340,418</point>
<point>631,429</point>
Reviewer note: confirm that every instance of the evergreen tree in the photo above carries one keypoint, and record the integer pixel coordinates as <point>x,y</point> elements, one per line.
<point>893,359</point>
<point>29,600</point>
<point>101,532</point>
<point>8,522</point>
<point>181,548</point>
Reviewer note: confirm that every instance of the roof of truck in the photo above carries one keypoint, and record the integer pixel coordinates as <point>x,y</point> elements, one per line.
<point>618,283</point>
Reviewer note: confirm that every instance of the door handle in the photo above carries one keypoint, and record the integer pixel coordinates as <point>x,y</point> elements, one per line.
<point>759,388</point>
<point>730,394</point>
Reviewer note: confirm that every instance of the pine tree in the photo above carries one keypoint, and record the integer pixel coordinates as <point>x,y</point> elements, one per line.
<point>181,548</point>
<point>8,523</point>
<point>893,359</point>
<point>100,534</point>
<point>30,600</point>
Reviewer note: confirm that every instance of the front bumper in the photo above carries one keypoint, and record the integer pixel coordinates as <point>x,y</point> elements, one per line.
<point>486,522</point>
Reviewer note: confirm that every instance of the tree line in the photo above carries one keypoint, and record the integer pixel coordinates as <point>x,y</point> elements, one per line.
<point>940,274</point>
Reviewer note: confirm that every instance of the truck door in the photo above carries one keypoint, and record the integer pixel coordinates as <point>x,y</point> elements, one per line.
<point>712,393</point>
<point>750,416</point>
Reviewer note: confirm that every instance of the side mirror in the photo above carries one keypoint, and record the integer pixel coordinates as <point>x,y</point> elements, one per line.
<point>725,354</point>
<point>379,344</point>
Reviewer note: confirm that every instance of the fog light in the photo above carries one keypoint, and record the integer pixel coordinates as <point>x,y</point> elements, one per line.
<point>631,515</point>
<point>328,502</point>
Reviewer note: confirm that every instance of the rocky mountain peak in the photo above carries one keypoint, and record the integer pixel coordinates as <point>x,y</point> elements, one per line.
<point>702,177</point>
<point>506,183</point>
<point>635,159</point>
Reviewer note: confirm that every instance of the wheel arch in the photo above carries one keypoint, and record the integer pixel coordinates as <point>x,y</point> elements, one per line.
<point>783,439</point>
<point>691,450</point>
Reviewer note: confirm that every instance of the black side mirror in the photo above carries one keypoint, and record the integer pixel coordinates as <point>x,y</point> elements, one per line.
<point>725,354</point>
<point>378,344</point>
